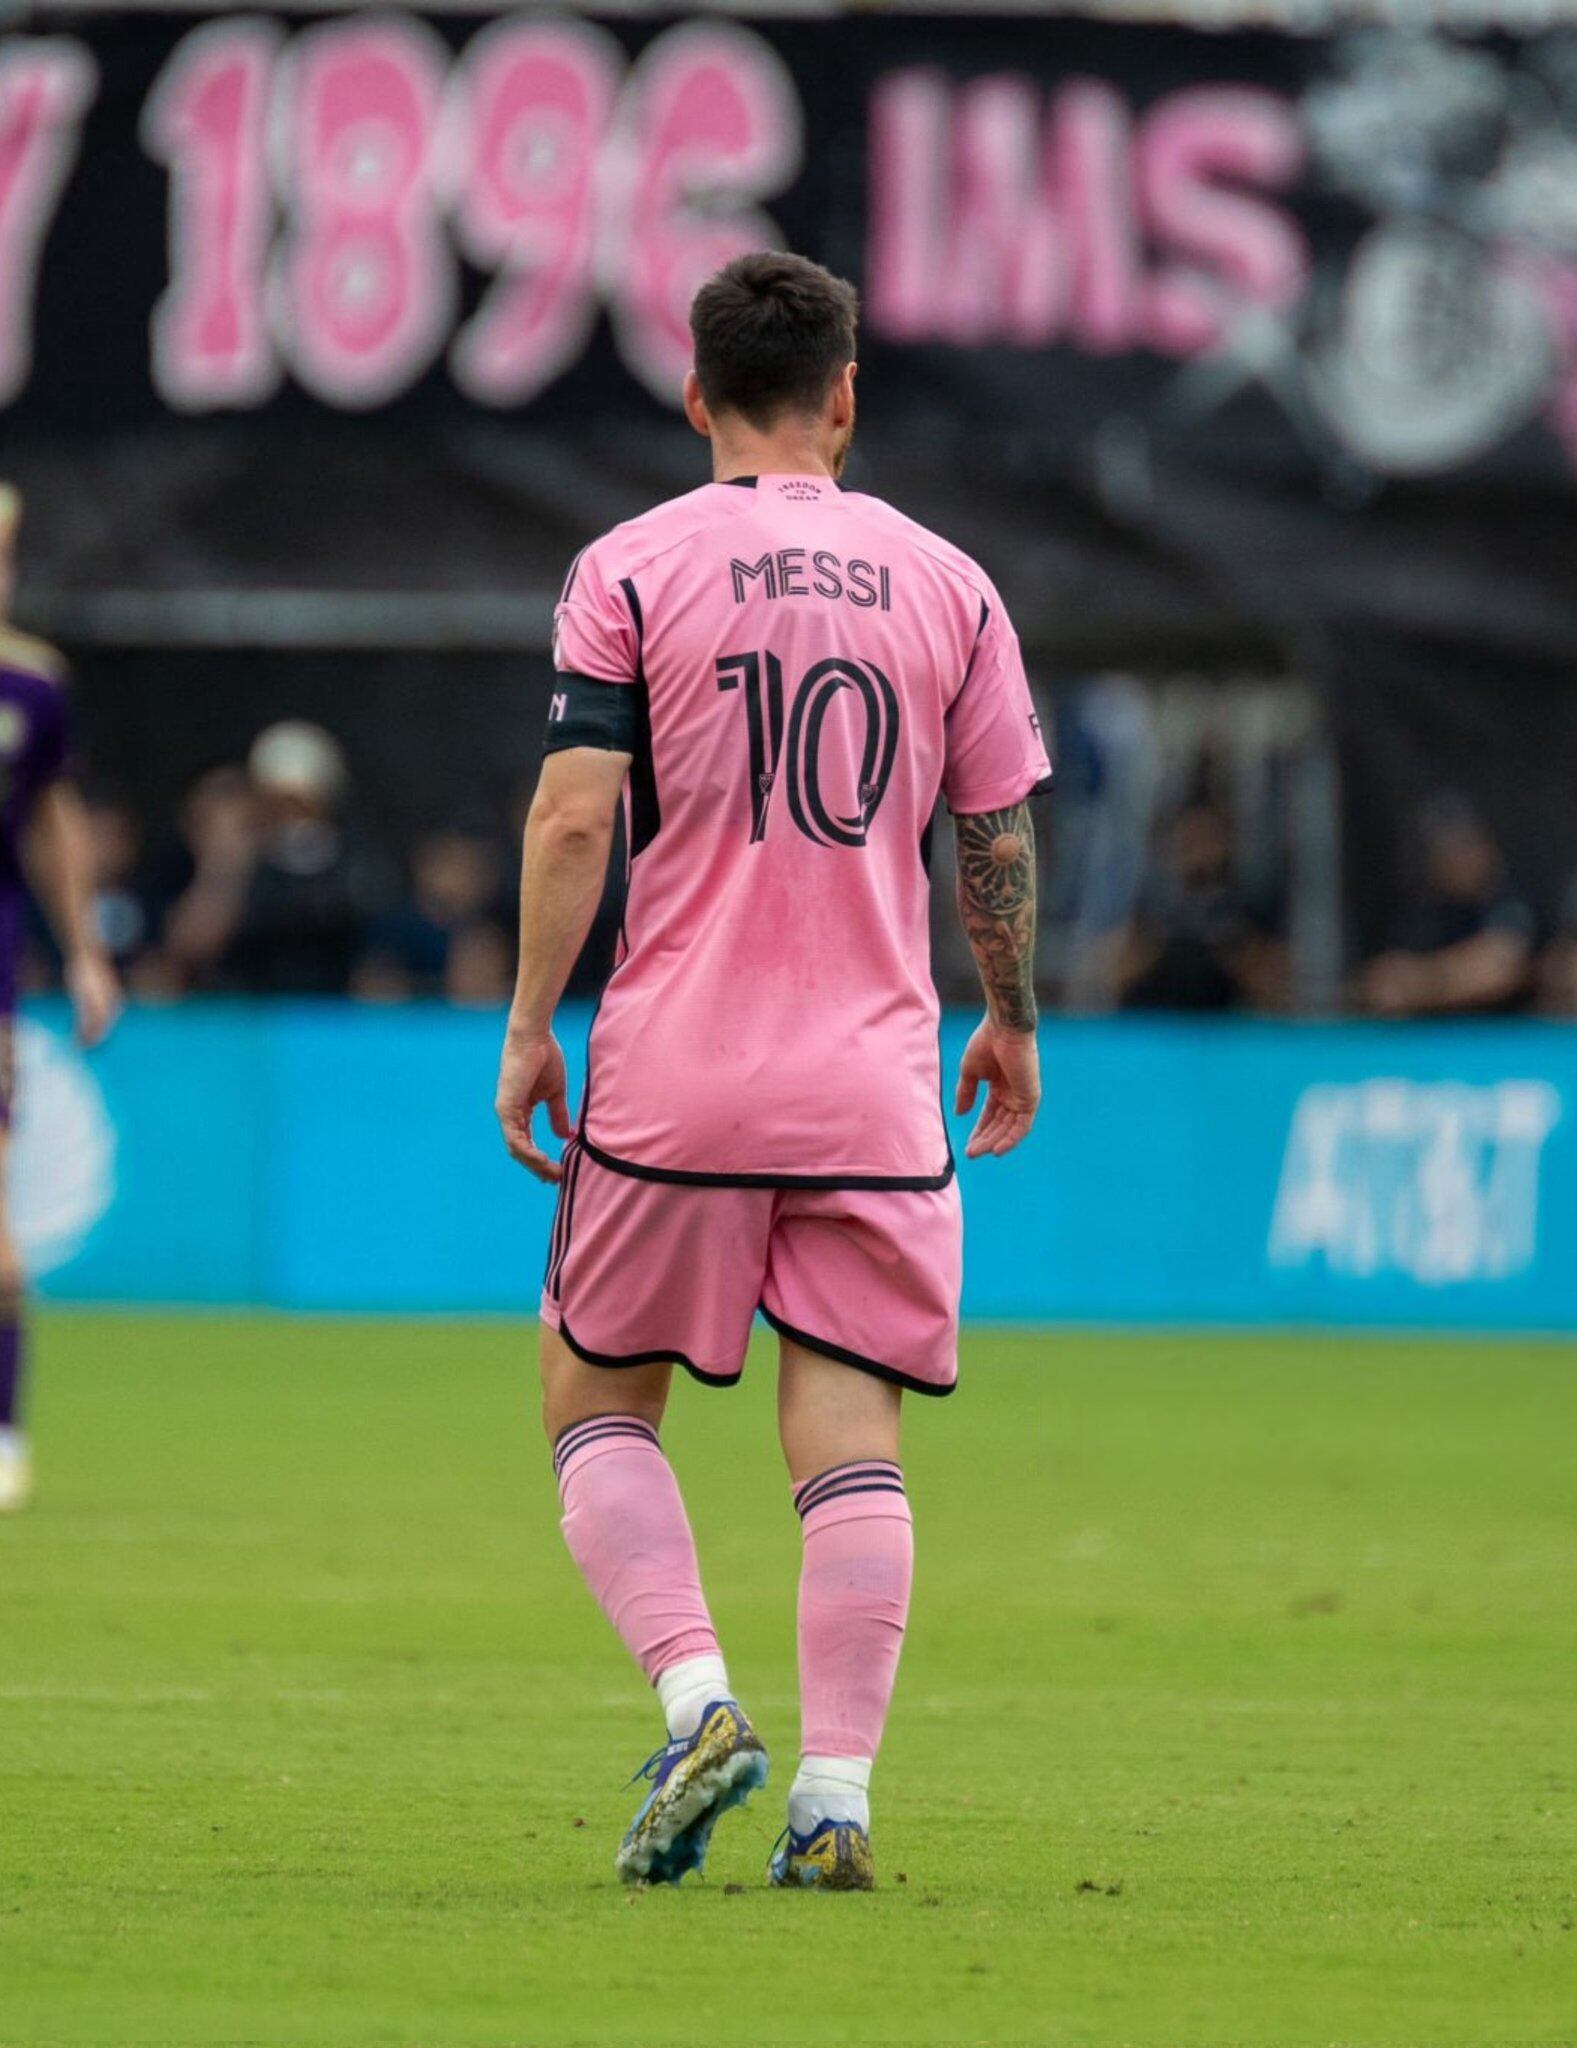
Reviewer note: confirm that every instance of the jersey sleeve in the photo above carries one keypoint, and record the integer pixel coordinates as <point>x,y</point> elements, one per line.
<point>995,753</point>
<point>595,623</point>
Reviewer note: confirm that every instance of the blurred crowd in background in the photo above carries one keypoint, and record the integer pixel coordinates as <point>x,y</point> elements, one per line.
<point>1179,873</point>
<point>271,880</point>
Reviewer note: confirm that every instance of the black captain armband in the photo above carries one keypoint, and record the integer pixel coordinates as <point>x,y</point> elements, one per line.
<point>584,712</point>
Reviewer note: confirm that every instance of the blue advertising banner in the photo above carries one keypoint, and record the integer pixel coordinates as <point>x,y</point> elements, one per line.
<point>325,1156</point>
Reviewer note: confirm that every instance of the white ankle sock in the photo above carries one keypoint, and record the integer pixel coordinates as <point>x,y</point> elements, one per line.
<point>686,1690</point>
<point>830,1788</point>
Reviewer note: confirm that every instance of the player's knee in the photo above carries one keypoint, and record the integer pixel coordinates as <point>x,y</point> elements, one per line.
<point>556,1406</point>
<point>564,1406</point>
<point>572,1390</point>
<point>829,1414</point>
<point>558,1413</point>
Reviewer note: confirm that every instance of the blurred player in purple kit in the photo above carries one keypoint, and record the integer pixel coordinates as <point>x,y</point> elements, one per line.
<point>44,840</point>
<point>778,679</point>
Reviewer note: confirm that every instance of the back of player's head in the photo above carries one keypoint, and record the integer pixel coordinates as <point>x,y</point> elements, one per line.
<point>772,332</point>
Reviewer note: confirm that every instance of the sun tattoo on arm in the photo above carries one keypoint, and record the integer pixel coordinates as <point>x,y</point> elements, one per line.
<point>996,899</point>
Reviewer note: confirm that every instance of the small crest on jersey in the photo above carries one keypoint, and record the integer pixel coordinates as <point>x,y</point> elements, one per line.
<point>13,730</point>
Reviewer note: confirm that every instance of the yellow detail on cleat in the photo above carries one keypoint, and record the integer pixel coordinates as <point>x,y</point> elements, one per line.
<point>726,1765</point>
<point>838,1860</point>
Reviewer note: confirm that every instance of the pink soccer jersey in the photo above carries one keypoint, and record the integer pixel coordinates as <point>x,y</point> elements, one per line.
<point>816,669</point>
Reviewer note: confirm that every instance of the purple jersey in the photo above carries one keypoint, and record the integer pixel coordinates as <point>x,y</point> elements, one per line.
<point>33,751</point>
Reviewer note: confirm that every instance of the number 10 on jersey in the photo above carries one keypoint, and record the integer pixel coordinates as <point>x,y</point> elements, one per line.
<point>759,677</point>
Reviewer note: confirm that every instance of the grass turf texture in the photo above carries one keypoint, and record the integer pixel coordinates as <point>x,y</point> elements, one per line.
<point>1237,1708</point>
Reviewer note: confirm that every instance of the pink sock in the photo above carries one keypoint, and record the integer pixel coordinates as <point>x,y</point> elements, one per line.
<point>626,1528</point>
<point>853,1604</point>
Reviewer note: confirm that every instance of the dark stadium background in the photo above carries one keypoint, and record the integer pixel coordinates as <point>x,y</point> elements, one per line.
<point>1402,623</point>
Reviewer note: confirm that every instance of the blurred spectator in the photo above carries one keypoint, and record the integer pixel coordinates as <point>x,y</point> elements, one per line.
<point>1196,940</point>
<point>480,969</point>
<point>313,887</point>
<point>123,902</point>
<point>1558,968</point>
<point>281,891</point>
<point>379,978</point>
<point>456,878</point>
<point>1466,947</point>
<point>218,830</point>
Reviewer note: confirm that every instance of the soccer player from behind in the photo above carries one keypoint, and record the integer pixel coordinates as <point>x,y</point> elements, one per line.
<point>42,837</point>
<point>777,679</point>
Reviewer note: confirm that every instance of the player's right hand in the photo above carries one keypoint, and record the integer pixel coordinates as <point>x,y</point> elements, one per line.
<point>532,1071</point>
<point>1009,1064</point>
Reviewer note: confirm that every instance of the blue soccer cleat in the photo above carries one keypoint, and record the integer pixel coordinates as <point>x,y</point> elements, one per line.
<point>694,1783</point>
<point>834,1857</point>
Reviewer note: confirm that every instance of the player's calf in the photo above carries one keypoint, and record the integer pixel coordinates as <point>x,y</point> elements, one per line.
<point>626,1527</point>
<point>853,1610</point>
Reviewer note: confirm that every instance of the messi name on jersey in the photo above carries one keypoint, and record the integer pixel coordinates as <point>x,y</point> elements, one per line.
<point>803,572</point>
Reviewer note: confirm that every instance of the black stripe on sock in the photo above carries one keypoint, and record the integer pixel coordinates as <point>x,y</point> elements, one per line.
<point>861,1468</point>
<point>562,1462</point>
<point>597,1425</point>
<point>857,1486</point>
<point>579,1434</point>
<point>814,1498</point>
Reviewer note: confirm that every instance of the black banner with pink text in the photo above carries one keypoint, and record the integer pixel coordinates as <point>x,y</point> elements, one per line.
<point>1212,343</point>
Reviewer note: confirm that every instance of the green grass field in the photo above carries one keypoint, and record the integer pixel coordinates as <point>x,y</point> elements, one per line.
<point>1240,1705</point>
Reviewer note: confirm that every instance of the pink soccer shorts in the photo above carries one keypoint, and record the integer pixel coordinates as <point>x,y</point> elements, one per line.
<point>641,1271</point>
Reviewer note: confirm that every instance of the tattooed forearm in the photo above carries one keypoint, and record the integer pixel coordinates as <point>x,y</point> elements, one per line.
<point>996,899</point>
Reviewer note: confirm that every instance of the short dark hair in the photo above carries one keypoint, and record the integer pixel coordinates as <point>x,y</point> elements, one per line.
<point>771,332</point>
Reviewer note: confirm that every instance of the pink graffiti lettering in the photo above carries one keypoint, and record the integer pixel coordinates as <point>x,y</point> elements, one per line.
<point>355,148</point>
<point>1227,248</point>
<point>206,120</point>
<point>710,124</point>
<point>1000,217</point>
<point>535,101</point>
<point>365,280</point>
<point>46,86</point>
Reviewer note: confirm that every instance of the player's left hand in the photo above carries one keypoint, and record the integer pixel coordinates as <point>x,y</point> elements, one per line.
<point>1008,1062</point>
<point>94,989</point>
<point>532,1071</point>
